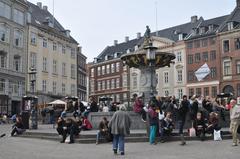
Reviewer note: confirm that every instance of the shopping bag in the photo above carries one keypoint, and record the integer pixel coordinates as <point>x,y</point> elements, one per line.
<point>217,135</point>
<point>67,139</point>
<point>192,132</point>
<point>161,116</point>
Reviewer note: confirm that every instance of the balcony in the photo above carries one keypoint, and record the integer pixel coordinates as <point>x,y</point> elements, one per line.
<point>12,72</point>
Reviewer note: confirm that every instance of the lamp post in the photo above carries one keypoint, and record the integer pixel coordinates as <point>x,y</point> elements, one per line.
<point>33,107</point>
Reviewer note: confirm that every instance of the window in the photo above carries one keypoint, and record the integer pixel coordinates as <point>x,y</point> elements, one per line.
<point>108,84</point>
<point>226,45</point>
<point>166,92</point>
<point>4,33</point>
<point>117,66</point>
<point>103,85</point>
<point>2,85</point>
<point>166,77</point>
<point>179,57</point>
<point>238,67</point>
<point>213,55</point>
<point>212,41</point>
<point>190,76</point>
<point>237,43</point>
<point>54,46</point>
<point>44,86</point>
<point>64,69</point>
<point>125,80</point>
<point>92,72</point>
<point>54,66</point>
<point>73,90</point>
<point>197,57</point>
<point>73,70</point>
<point>206,91</point>
<point>33,39</point>
<point>5,10</point>
<point>198,91</point>
<point>17,63</point>
<point>191,92</point>
<point>63,49</point>
<point>92,86</point>
<point>180,37</point>
<point>118,83</point>
<point>113,84</point>
<point>179,75</point>
<point>18,16</point>
<point>45,43</point>
<point>108,69</point>
<point>210,28</point>
<point>63,89</point>
<point>99,71</point>
<point>103,70</point>
<point>230,25</point>
<point>180,93</point>
<point>54,87</point>
<point>190,45</point>
<point>18,38</point>
<point>99,85</point>
<point>3,61</point>
<point>113,67</point>
<point>45,64</point>
<point>227,68</point>
<point>197,44</point>
<point>204,42</point>
<point>214,92</point>
<point>73,53</point>
<point>238,89</point>
<point>190,59</point>
<point>213,72</point>
<point>205,56</point>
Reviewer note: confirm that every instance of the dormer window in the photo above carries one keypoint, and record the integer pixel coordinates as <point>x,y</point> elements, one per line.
<point>128,51</point>
<point>202,30</point>
<point>180,37</point>
<point>230,26</point>
<point>106,57</point>
<point>210,27</point>
<point>116,54</point>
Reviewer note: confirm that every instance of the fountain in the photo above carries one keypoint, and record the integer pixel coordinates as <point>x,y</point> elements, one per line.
<point>147,59</point>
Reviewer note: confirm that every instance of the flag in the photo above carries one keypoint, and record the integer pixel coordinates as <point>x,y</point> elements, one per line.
<point>202,72</point>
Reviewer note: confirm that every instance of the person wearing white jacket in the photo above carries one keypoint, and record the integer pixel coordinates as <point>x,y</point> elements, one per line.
<point>235,122</point>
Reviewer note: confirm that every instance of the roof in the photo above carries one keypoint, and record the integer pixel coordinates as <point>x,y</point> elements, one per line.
<point>39,17</point>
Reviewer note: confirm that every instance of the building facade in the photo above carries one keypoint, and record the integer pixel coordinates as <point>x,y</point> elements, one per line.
<point>81,75</point>
<point>13,54</point>
<point>229,44</point>
<point>53,53</point>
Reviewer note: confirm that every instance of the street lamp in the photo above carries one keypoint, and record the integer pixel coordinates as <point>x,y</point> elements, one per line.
<point>33,100</point>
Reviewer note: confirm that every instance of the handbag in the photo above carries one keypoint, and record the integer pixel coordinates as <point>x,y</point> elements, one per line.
<point>161,116</point>
<point>217,135</point>
<point>192,132</point>
<point>238,130</point>
<point>67,139</point>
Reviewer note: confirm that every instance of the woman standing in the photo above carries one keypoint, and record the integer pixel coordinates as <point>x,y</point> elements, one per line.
<point>120,127</point>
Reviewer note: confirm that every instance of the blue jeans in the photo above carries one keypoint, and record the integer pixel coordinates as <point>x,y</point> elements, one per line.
<point>118,142</point>
<point>153,131</point>
<point>99,135</point>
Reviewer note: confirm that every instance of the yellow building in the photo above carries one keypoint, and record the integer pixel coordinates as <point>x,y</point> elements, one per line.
<point>52,52</point>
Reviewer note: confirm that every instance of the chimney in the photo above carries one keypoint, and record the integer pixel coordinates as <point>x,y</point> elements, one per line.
<point>39,4</point>
<point>138,35</point>
<point>127,39</point>
<point>45,8</point>
<point>194,19</point>
<point>238,3</point>
<point>115,42</point>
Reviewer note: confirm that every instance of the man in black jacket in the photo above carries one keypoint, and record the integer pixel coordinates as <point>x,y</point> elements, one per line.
<point>181,116</point>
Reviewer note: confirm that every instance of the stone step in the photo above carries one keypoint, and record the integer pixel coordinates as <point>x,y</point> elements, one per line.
<point>131,138</point>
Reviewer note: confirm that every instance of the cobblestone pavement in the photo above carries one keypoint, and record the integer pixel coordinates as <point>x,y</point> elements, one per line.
<point>21,148</point>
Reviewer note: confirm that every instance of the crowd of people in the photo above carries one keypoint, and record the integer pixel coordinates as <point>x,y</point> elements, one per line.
<point>204,114</point>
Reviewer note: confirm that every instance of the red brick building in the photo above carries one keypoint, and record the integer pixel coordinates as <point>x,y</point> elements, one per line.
<point>203,48</point>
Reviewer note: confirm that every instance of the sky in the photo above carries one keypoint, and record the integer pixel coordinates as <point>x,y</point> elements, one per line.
<point>95,24</point>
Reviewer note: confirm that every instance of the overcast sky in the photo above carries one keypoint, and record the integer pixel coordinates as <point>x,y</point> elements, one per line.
<point>95,24</point>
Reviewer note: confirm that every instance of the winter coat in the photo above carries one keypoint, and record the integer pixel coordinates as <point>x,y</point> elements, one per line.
<point>153,117</point>
<point>183,110</point>
<point>138,106</point>
<point>235,114</point>
<point>120,123</point>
